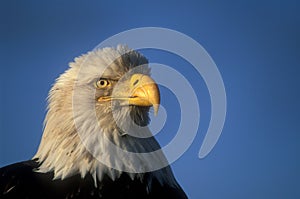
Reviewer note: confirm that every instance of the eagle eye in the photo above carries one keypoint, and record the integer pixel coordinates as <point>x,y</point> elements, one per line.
<point>102,83</point>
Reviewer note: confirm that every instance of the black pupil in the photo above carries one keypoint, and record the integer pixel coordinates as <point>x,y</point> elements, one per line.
<point>102,82</point>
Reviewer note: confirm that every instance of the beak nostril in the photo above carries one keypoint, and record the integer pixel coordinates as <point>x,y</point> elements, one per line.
<point>135,82</point>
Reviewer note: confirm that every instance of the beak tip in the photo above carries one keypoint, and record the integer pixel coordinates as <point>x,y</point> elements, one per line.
<point>155,107</point>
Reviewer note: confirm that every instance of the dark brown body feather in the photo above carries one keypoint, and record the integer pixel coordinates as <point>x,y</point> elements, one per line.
<point>20,181</point>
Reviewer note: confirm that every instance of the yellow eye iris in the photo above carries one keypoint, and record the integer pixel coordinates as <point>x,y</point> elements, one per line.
<point>102,83</point>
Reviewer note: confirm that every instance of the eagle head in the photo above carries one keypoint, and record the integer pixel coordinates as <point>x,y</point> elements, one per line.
<point>102,100</point>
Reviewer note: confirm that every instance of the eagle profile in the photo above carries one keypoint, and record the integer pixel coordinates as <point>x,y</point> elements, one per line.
<point>102,100</point>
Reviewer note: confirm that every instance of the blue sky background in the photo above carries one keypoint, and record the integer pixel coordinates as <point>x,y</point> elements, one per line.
<point>255,45</point>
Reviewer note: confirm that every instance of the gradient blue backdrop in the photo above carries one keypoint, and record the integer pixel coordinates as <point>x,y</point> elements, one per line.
<point>255,45</point>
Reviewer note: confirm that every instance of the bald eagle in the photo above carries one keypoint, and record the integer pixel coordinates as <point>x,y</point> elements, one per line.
<point>96,135</point>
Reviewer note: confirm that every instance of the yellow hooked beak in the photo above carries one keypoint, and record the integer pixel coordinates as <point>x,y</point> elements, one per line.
<point>143,91</point>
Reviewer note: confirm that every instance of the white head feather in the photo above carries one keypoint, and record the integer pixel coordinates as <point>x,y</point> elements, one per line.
<point>74,143</point>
